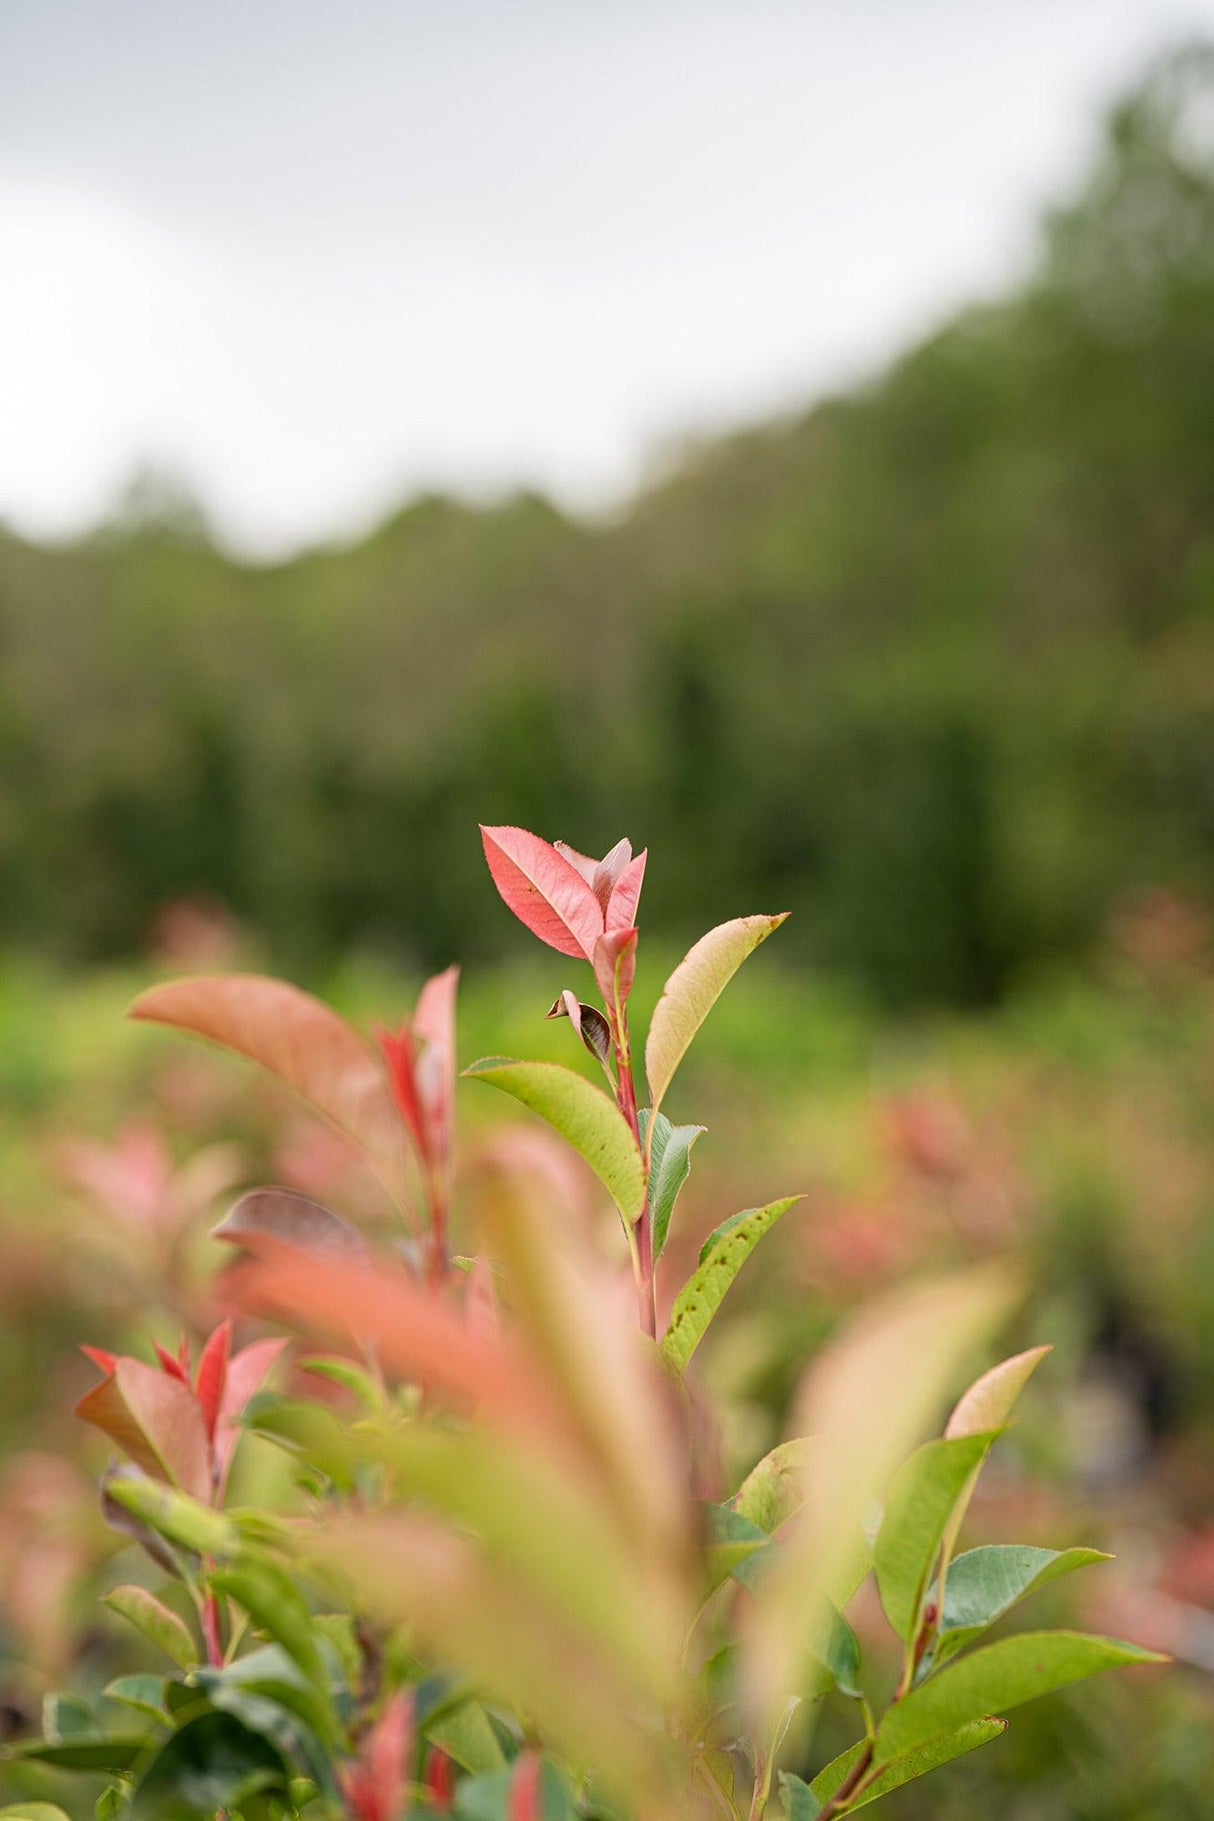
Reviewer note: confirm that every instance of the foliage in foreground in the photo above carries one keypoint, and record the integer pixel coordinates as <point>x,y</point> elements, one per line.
<point>510,1583</point>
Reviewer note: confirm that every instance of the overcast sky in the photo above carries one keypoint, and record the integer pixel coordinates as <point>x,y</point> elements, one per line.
<point>314,254</point>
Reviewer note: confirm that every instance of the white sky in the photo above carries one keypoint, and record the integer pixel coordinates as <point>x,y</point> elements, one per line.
<point>314,254</point>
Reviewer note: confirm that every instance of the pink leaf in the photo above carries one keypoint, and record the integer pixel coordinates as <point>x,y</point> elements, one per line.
<point>607,872</point>
<point>626,895</point>
<point>434,1071</point>
<point>411,1332</point>
<point>301,1041</point>
<point>246,1372</point>
<point>581,863</point>
<point>99,1356</point>
<point>212,1371</point>
<point>374,1787</point>
<point>615,966</point>
<point>544,890</point>
<point>154,1419</point>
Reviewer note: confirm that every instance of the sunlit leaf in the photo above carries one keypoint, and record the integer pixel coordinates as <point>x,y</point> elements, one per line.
<point>466,1734</point>
<point>704,1292</point>
<point>918,1506</point>
<point>155,1620</point>
<point>997,1677</point>
<point>669,1148</point>
<point>544,890</point>
<point>301,1041</point>
<point>693,989</point>
<point>584,1117</point>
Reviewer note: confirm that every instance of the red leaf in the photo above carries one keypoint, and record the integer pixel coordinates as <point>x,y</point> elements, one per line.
<point>246,1373</point>
<point>99,1356</point>
<point>304,1043</point>
<point>171,1363</point>
<point>626,895</point>
<point>401,1060</point>
<point>212,1371</point>
<point>154,1419</point>
<point>526,1799</point>
<point>374,1787</point>
<point>440,1781</point>
<point>544,890</point>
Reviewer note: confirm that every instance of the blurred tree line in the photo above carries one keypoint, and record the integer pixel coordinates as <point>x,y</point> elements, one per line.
<point>932,665</point>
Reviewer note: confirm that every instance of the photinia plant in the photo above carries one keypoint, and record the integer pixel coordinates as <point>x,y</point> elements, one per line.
<point>507,1586</point>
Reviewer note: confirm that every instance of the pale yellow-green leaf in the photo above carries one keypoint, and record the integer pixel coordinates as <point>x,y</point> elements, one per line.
<point>584,1117</point>
<point>691,992</point>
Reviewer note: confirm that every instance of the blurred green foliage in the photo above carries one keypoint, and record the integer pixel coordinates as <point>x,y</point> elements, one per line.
<point>932,665</point>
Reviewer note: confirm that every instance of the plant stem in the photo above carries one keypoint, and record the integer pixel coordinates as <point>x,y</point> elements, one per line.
<point>626,1098</point>
<point>850,1785</point>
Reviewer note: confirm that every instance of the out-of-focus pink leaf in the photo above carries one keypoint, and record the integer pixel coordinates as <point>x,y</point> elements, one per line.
<point>626,894</point>
<point>301,1041</point>
<point>526,1798</point>
<point>434,1024</point>
<point>246,1372</point>
<point>99,1356</point>
<point>154,1419</point>
<point>296,1218</point>
<point>544,890</point>
<point>411,1331</point>
<point>212,1370</point>
<point>439,1781</point>
<point>615,966</point>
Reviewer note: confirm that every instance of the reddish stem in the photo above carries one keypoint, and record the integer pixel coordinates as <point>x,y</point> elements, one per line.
<point>210,1630</point>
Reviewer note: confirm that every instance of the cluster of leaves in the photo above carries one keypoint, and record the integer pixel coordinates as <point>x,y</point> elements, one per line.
<point>508,1586</point>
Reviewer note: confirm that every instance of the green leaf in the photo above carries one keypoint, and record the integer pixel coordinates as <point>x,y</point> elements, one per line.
<point>669,1168</point>
<point>487,1798</point>
<point>352,1378</point>
<point>997,1677</point>
<point>691,992</point>
<point>839,1653</point>
<point>176,1515</point>
<point>985,1583</point>
<point>66,1717</point>
<point>466,1734</point>
<point>154,1619</point>
<point>730,1540</point>
<point>144,1693</point>
<point>800,1803</point>
<point>584,1117</point>
<point>275,1605</point>
<point>268,1671</point>
<point>32,1811</point>
<point>775,1489</point>
<point>111,1752</point>
<point>905,1769</point>
<point>213,1762</point>
<point>920,1502</point>
<point>704,1292</point>
<point>308,1429</point>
